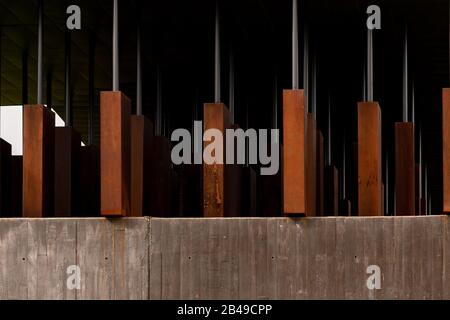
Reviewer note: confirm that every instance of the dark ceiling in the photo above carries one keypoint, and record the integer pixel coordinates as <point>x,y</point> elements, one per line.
<point>178,40</point>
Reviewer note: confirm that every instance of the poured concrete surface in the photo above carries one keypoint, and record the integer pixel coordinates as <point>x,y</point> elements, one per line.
<point>232,258</point>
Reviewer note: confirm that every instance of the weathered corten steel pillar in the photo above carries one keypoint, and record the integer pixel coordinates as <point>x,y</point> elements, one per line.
<point>160,204</point>
<point>446,148</point>
<point>38,147</point>
<point>67,171</point>
<point>320,173</point>
<point>294,197</point>
<point>331,191</point>
<point>369,160</point>
<point>311,166</point>
<point>38,161</point>
<point>5,178</point>
<point>16,186</point>
<point>215,116</point>
<point>115,112</point>
<point>141,142</point>
<point>404,168</point>
<point>417,189</point>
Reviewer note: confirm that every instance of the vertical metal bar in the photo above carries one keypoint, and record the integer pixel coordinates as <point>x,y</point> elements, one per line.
<point>344,193</point>
<point>329,132</point>
<point>369,66</point>
<point>116,46</point>
<point>25,77</point>
<point>138,73</point>
<point>49,88</point>
<point>420,163</point>
<point>306,71</point>
<point>364,91</point>
<point>413,105</point>
<point>426,189</point>
<point>275,103</point>
<point>68,102</point>
<point>1,38</point>
<point>314,89</point>
<point>405,79</point>
<point>247,145</point>
<point>386,187</point>
<point>40,62</point>
<point>231,86</point>
<point>91,88</point>
<point>158,103</point>
<point>217,56</point>
<point>294,45</point>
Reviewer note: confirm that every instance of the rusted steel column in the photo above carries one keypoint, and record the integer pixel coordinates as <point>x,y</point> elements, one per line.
<point>16,186</point>
<point>89,181</point>
<point>161,178</point>
<point>294,201</point>
<point>190,192</point>
<point>311,166</point>
<point>38,161</point>
<point>369,159</point>
<point>5,181</point>
<point>67,172</point>
<point>404,168</point>
<point>233,182</point>
<point>417,190</point>
<point>446,148</point>
<point>115,153</point>
<point>141,143</point>
<point>248,202</point>
<point>215,116</point>
<point>331,191</point>
<point>320,173</point>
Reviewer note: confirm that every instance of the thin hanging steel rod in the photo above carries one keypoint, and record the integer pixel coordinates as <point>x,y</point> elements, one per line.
<point>67,98</point>
<point>405,79</point>
<point>91,88</point>
<point>294,45</point>
<point>217,96</point>
<point>40,44</point>
<point>306,70</point>
<point>116,46</point>
<point>329,132</point>
<point>369,73</point>
<point>138,73</point>
<point>231,86</point>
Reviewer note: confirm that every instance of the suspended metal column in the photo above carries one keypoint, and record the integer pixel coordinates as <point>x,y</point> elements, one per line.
<point>370,162</point>
<point>405,164</point>
<point>115,112</point>
<point>38,144</point>
<point>294,128</point>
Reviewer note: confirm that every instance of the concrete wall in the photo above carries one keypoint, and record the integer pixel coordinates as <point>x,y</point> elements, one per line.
<point>275,258</point>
